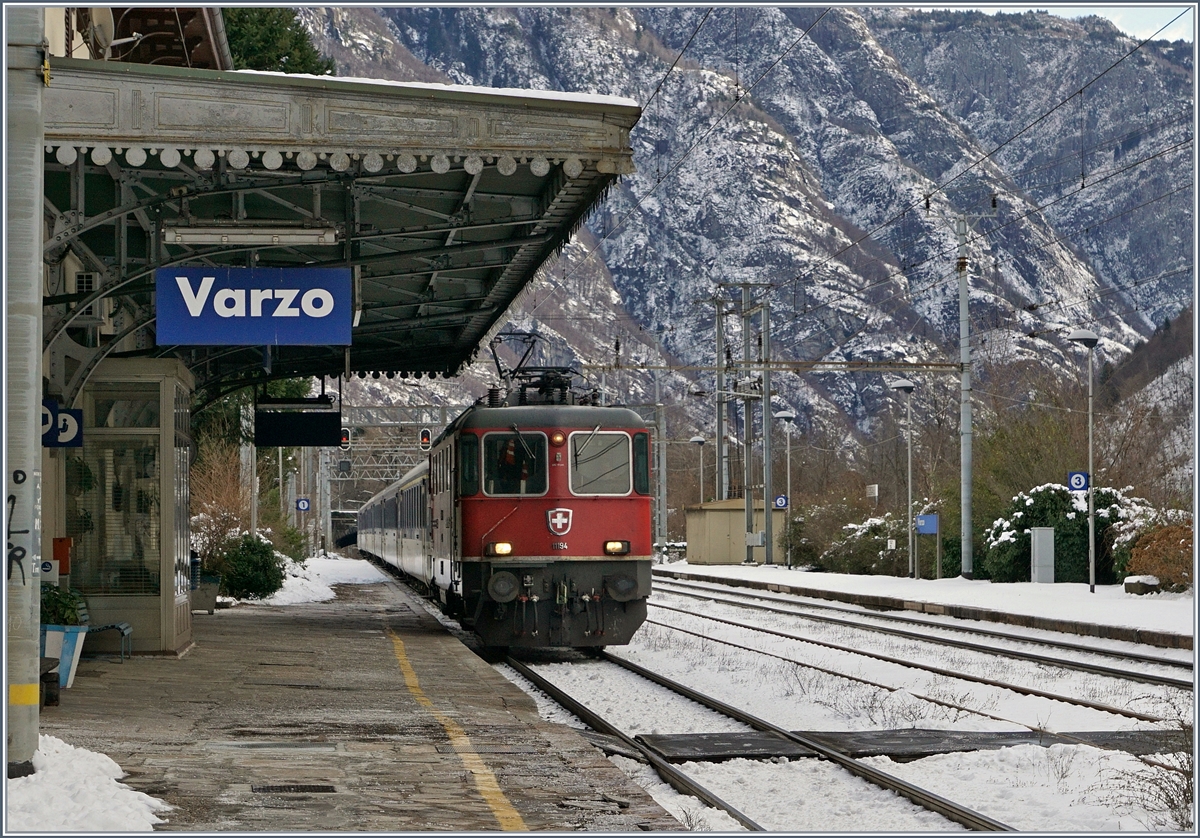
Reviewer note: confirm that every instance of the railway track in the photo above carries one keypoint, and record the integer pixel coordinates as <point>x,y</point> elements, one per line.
<point>680,781</point>
<point>860,619</point>
<point>936,670</point>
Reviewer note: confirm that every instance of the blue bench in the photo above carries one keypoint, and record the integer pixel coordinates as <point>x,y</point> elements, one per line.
<point>125,629</point>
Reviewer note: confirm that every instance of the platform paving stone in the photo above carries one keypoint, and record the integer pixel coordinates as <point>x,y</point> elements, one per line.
<point>313,695</point>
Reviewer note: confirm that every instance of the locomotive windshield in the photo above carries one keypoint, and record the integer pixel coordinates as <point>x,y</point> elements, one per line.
<point>600,463</point>
<point>514,464</point>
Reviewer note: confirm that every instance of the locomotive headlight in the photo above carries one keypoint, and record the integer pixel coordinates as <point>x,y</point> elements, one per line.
<point>499,548</point>
<point>616,548</point>
<point>557,438</point>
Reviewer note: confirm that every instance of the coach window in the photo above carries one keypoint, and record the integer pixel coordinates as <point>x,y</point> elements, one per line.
<point>641,463</point>
<point>468,464</point>
<point>600,463</point>
<point>514,464</point>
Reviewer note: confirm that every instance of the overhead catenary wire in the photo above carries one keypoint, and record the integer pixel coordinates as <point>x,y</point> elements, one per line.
<point>663,80</point>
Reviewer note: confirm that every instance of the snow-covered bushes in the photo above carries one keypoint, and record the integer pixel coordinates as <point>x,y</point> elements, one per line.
<point>1120,520</point>
<point>863,548</point>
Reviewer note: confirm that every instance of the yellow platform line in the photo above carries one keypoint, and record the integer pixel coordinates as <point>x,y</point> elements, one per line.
<point>485,781</point>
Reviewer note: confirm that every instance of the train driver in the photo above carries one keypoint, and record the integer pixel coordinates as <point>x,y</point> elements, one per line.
<point>512,468</point>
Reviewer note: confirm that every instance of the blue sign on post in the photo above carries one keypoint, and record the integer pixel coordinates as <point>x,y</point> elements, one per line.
<point>1077,481</point>
<point>253,306</point>
<point>927,524</point>
<point>302,504</point>
<point>781,501</point>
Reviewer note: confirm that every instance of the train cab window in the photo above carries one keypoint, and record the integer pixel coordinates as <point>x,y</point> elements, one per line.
<point>600,463</point>
<point>641,463</point>
<point>468,464</point>
<point>514,464</point>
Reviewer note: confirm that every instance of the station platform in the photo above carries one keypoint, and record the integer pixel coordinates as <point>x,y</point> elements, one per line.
<point>363,713</point>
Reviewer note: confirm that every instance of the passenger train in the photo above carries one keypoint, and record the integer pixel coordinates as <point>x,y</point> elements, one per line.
<point>529,522</point>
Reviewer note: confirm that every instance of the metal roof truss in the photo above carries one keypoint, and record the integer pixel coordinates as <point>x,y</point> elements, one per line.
<point>446,203</point>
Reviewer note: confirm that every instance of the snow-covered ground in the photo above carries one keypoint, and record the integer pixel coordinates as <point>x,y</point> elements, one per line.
<point>1062,788</point>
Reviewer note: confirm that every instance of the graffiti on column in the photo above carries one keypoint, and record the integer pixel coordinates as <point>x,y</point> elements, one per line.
<point>16,552</point>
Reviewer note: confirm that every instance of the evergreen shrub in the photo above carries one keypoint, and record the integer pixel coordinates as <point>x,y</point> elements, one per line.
<point>1119,519</point>
<point>251,569</point>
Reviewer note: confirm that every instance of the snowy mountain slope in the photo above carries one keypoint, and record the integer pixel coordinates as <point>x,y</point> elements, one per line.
<point>1125,199</point>
<point>835,141</point>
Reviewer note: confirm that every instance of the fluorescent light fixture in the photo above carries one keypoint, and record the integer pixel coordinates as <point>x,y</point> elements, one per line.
<point>264,236</point>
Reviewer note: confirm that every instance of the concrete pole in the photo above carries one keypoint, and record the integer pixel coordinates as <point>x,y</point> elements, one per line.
<point>964,346</point>
<point>747,423</point>
<point>788,430</point>
<point>282,499</point>
<point>1091,489</point>
<point>25,27</point>
<point>326,501</point>
<point>660,423</point>
<point>254,491</point>
<point>914,569</point>
<point>768,426</point>
<point>722,479</point>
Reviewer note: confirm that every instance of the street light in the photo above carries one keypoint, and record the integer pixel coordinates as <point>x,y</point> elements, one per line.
<point>699,440</point>
<point>1088,338</point>
<point>906,387</point>
<point>788,416</point>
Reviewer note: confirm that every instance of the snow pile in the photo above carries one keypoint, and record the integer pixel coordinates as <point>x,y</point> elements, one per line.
<point>75,790</point>
<point>312,580</point>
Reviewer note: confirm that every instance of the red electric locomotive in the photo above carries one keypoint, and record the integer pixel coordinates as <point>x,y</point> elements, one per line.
<point>531,521</point>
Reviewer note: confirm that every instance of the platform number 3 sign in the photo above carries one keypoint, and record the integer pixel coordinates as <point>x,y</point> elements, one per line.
<point>1077,481</point>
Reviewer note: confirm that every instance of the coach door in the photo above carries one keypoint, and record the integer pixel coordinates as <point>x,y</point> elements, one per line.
<point>443,503</point>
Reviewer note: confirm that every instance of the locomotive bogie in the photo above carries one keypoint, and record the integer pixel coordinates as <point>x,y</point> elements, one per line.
<point>576,604</point>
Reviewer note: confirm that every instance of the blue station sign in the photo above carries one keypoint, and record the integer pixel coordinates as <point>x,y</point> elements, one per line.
<point>927,524</point>
<point>253,306</point>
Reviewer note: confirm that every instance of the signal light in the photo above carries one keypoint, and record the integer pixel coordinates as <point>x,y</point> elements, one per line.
<point>426,439</point>
<point>345,443</point>
<point>616,548</point>
<point>499,548</point>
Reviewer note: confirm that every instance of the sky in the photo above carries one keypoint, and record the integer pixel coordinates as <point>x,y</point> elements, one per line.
<point>79,790</point>
<point>1138,21</point>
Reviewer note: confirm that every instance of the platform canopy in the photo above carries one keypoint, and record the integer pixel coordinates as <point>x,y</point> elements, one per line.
<point>444,200</point>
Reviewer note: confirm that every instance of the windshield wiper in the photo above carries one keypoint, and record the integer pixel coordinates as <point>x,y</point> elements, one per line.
<point>579,450</point>
<point>524,444</point>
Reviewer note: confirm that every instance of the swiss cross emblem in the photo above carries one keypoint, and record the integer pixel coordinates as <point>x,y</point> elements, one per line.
<point>559,521</point>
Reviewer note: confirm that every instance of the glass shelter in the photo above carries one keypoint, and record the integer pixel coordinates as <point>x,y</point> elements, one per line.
<point>125,502</point>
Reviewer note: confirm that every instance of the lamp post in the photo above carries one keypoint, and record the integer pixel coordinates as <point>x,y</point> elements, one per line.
<point>788,417</point>
<point>1088,338</point>
<point>906,387</point>
<point>699,440</point>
